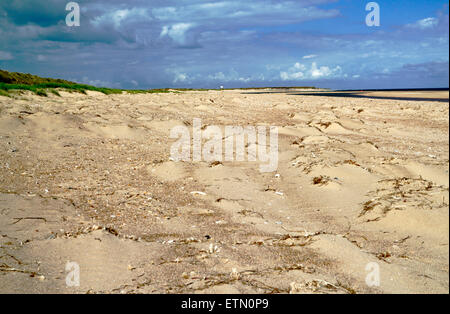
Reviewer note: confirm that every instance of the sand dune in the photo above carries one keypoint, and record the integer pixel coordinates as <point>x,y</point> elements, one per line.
<point>88,179</point>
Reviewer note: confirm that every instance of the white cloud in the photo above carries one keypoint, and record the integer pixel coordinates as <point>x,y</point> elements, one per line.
<point>285,76</point>
<point>426,23</point>
<point>4,55</point>
<point>219,76</point>
<point>181,78</point>
<point>301,72</point>
<point>234,76</point>
<point>118,17</point>
<point>309,56</point>
<point>299,66</point>
<point>177,32</point>
<point>263,12</point>
<point>323,71</point>
<point>98,83</point>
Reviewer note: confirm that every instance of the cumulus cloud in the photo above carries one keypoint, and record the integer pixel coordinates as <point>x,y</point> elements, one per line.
<point>181,78</point>
<point>426,23</point>
<point>100,83</point>
<point>432,25</point>
<point>301,72</point>
<point>234,76</point>
<point>179,33</point>
<point>118,17</point>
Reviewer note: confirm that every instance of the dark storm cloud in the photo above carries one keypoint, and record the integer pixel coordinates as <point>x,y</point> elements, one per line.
<point>23,12</point>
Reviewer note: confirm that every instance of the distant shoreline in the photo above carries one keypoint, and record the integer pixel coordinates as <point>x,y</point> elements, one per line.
<point>394,90</point>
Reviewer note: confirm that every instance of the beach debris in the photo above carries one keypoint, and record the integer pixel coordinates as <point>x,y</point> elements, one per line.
<point>247,212</point>
<point>321,180</point>
<point>315,285</point>
<point>234,275</point>
<point>295,288</point>
<point>29,218</point>
<point>383,255</point>
<point>190,240</point>
<point>351,162</point>
<point>401,194</point>
<point>285,240</point>
<point>213,249</point>
<point>198,193</point>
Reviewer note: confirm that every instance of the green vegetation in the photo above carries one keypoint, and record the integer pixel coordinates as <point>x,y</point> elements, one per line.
<point>14,81</point>
<point>3,93</point>
<point>54,91</point>
<point>27,79</point>
<point>37,88</point>
<point>141,91</point>
<point>41,92</point>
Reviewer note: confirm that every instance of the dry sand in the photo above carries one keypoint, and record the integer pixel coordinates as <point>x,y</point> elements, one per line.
<point>87,179</point>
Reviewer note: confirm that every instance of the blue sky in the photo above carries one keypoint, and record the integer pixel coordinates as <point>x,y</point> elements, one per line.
<point>197,43</point>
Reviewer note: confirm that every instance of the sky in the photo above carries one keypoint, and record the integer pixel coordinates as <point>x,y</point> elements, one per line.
<point>141,44</point>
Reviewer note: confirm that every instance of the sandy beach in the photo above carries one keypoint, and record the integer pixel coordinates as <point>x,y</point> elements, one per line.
<point>360,181</point>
